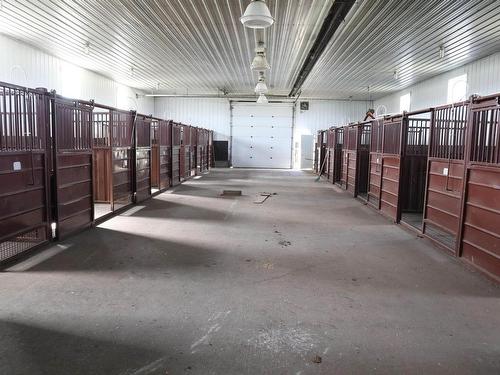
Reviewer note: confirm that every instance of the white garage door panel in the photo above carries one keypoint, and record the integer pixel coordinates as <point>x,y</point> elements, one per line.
<point>262,135</point>
<point>261,132</point>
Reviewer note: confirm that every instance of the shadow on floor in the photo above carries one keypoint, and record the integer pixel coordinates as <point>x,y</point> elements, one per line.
<point>166,209</point>
<point>29,349</point>
<point>101,249</point>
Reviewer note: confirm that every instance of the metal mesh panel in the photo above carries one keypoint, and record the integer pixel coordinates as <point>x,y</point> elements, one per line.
<point>19,244</point>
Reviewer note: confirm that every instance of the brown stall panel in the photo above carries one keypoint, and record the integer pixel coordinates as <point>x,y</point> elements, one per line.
<point>331,154</point>
<point>102,163</point>
<point>122,141</point>
<point>142,158</point>
<point>363,160</point>
<point>337,158</point>
<point>349,158</point>
<point>155,155</point>
<point>480,241</point>
<point>414,168</point>
<point>375,163</point>
<point>176,153</point>
<point>24,198</point>
<point>445,175</point>
<point>390,169</point>
<point>165,154</point>
<point>72,123</point>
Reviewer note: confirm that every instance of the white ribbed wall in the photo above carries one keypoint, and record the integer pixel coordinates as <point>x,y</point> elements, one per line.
<point>214,113</point>
<point>24,65</point>
<point>483,78</point>
<point>210,113</point>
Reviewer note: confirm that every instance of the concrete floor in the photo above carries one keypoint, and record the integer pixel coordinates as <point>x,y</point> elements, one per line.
<point>193,283</point>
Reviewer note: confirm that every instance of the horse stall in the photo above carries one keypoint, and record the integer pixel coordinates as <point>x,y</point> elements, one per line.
<point>480,222</point>
<point>330,151</point>
<point>339,144</point>
<point>375,163</point>
<point>142,157</point>
<point>24,170</point>
<point>416,132</point>
<point>363,160</point>
<point>445,175</point>
<point>355,157</point>
<point>73,184</point>
<point>211,156</point>
<point>177,154</point>
<point>102,172</point>
<point>161,155</point>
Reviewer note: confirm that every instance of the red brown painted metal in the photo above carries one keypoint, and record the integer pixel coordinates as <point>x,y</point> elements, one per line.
<point>363,160</point>
<point>122,143</point>
<point>142,157</point>
<point>177,152</point>
<point>72,129</point>
<point>187,151</point>
<point>102,156</point>
<point>390,171</point>
<point>375,163</point>
<point>445,175</point>
<point>331,154</point>
<point>337,157</point>
<point>350,158</point>
<point>24,170</point>
<point>480,222</point>
<point>165,153</point>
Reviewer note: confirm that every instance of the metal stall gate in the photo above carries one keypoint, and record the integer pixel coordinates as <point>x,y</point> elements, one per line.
<point>445,175</point>
<point>187,151</point>
<point>331,154</point>
<point>24,170</point>
<point>165,154</point>
<point>142,158</point>
<point>349,158</point>
<point>211,158</point>
<point>317,151</point>
<point>480,237</point>
<point>413,174</point>
<point>363,160</point>
<point>155,155</point>
<point>375,163</point>
<point>391,166</point>
<point>177,154</point>
<point>72,132</point>
<point>339,145</point>
<point>122,142</point>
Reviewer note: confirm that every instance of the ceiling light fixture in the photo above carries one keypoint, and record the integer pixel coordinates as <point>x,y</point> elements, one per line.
<point>396,75</point>
<point>86,48</point>
<point>257,15</point>
<point>262,99</point>
<point>261,87</point>
<point>259,62</point>
<point>442,52</point>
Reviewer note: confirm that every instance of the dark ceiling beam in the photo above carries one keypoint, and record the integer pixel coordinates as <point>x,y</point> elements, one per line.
<point>332,21</point>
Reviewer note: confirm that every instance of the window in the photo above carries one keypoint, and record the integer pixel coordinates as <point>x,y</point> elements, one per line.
<point>457,89</point>
<point>404,103</point>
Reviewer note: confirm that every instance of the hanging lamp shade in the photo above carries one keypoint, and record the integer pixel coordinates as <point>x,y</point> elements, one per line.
<point>262,99</point>
<point>257,15</point>
<point>260,63</point>
<point>261,88</point>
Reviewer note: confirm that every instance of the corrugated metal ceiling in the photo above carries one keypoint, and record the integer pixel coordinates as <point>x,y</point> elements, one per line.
<point>199,46</point>
<point>383,36</point>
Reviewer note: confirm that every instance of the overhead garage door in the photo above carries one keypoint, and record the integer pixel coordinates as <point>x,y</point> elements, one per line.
<point>262,135</point>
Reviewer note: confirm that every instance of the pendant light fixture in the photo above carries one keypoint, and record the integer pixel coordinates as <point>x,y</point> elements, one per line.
<point>262,99</point>
<point>261,87</point>
<point>259,62</point>
<point>257,15</point>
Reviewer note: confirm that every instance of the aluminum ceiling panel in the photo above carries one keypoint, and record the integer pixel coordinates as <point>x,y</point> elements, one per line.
<point>199,46</point>
<point>187,46</point>
<point>381,37</point>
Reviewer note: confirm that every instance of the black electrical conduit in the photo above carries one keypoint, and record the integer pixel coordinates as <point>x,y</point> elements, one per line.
<point>332,21</point>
